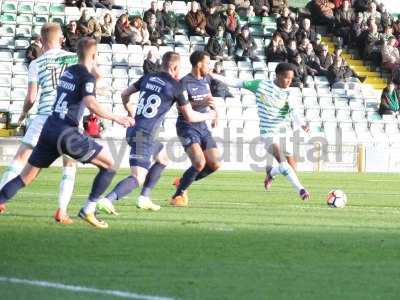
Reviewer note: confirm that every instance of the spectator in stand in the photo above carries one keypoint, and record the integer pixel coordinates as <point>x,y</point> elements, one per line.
<point>213,20</point>
<point>93,126</point>
<point>154,32</point>
<point>387,34</point>
<point>312,62</point>
<point>344,19</point>
<point>325,58</point>
<point>396,27</point>
<point>386,18</point>
<point>123,31</point>
<point>250,12</point>
<point>261,7</point>
<point>196,20</point>
<point>337,52</point>
<point>318,44</point>
<point>277,6</point>
<point>291,50</point>
<point>389,100</point>
<point>360,5</point>
<point>168,19</point>
<point>217,45</point>
<point>391,55</point>
<point>338,72</point>
<point>276,51</point>
<point>107,30</point>
<point>373,44</point>
<point>245,47</point>
<point>153,10</point>
<point>219,89</point>
<point>284,17</point>
<point>339,3</point>
<point>34,50</point>
<point>356,32</point>
<point>140,31</point>
<point>306,31</point>
<point>72,36</point>
<point>324,13</point>
<point>300,72</point>
<point>288,32</point>
<point>303,45</point>
<point>241,6</point>
<point>231,24</point>
<point>373,14</point>
<point>88,26</point>
<point>151,64</point>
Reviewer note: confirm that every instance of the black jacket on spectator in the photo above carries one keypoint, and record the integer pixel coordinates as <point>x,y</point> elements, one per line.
<point>247,45</point>
<point>71,40</point>
<point>291,54</point>
<point>312,62</point>
<point>33,52</point>
<point>154,35</point>
<point>123,34</point>
<point>309,34</point>
<point>360,5</point>
<point>150,67</point>
<point>215,47</point>
<point>213,21</point>
<point>291,35</point>
<point>277,54</point>
<point>219,89</point>
<point>147,14</point>
<point>336,74</point>
<point>300,74</point>
<point>169,21</point>
<point>281,21</point>
<point>325,61</point>
<point>258,4</point>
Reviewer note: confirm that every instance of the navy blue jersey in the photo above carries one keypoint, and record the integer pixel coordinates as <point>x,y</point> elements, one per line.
<point>74,84</point>
<point>158,92</point>
<point>197,90</point>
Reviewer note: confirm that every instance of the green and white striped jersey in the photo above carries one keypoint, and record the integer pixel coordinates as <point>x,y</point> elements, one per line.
<point>45,72</point>
<point>274,105</point>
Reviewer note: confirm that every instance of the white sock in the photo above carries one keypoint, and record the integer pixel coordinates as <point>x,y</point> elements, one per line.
<point>287,171</point>
<point>275,171</point>
<point>66,187</point>
<point>12,171</point>
<point>143,199</point>
<point>90,207</point>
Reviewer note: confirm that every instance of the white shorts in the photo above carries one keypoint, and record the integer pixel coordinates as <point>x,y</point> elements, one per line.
<point>32,135</point>
<point>284,139</point>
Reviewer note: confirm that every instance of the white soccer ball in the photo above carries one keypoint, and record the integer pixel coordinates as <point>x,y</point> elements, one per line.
<point>336,199</point>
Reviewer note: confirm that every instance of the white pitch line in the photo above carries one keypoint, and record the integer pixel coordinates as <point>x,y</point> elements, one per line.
<point>82,289</point>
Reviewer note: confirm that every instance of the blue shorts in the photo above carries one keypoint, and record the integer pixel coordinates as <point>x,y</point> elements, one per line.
<point>59,139</point>
<point>190,134</point>
<point>143,147</point>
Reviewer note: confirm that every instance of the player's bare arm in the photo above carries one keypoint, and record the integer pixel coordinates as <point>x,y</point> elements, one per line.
<point>29,101</point>
<point>194,117</point>
<point>126,95</point>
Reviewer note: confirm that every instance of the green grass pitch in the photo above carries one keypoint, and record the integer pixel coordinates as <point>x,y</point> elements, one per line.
<point>235,241</point>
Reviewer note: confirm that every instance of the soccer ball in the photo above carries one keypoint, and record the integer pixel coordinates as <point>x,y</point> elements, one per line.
<point>336,199</point>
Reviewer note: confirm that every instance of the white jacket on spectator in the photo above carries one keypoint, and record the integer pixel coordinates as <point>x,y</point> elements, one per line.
<point>390,54</point>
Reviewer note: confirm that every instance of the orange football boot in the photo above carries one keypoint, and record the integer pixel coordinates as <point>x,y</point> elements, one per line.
<point>2,208</point>
<point>62,217</point>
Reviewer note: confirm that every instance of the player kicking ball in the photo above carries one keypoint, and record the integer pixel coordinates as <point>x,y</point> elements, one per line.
<point>60,134</point>
<point>44,73</point>
<point>158,92</point>
<point>274,110</point>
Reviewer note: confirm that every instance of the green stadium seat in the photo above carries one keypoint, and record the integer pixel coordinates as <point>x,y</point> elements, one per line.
<point>255,20</point>
<point>24,31</point>
<point>7,30</point>
<point>57,19</point>
<point>5,80</point>
<point>19,69</point>
<point>133,11</point>
<point>42,8</point>
<point>57,9</point>
<point>24,19</point>
<point>5,94</point>
<point>40,19</point>
<point>6,42</point>
<point>18,94</point>
<point>25,8</point>
<point>8,18</point>
<point>36,29</point>
<point>21,44</point>
<point>9,7</point>
<point>19,82</point>
<point>19,57</point>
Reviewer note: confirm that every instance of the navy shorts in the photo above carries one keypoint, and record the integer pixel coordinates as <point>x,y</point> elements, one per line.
<point>190,134</point>
<point>143,147</point>
<point>58,139</point>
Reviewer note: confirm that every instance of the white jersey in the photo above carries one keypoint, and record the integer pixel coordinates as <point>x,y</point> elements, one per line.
<point>45,71</point>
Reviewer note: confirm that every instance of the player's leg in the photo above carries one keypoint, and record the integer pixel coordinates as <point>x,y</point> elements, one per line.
<point>66,190</point>
<point>17,164</point>
<point>152,178</point>
<point>212,156</point>
<point>198,160</point>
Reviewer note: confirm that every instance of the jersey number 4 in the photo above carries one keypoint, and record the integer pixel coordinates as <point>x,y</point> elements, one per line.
<point>148,106</point>
<point>61,106</point>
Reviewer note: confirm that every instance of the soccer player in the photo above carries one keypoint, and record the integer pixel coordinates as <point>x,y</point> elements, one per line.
<point>158,92</point>
<point>274,110</point>
<point>196,138</point>
<point>60,134</point>
<point>44,73</point>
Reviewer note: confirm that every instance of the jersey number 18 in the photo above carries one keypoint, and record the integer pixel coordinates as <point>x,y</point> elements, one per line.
<point>148,106</point>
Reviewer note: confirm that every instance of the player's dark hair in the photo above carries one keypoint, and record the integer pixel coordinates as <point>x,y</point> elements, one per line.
<point>283,68</point>
<point>197,56</point>
<point>168,59</point>
<point>83,45</point>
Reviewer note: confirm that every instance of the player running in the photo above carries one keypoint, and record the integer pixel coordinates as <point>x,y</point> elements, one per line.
<point>274,110</point>
<point>44,73</point>
<point>196,138</point>
<point>158,92</point>
<point>60,134</point>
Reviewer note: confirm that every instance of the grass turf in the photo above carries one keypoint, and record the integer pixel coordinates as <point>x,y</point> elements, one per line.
<point>234,242</point>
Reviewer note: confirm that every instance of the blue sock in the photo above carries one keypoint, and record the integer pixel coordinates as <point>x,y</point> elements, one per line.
<point>152,178</point>
<point>11,188</point>
<point>187,179</point>
<point>204,173</point>
<point>123,188</point>
<point>101,183</point>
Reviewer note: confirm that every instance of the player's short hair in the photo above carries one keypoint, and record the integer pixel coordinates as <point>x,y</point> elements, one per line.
<point>283,68</point>
<point>197,56</point>
<point>83,45</point>
<point>50,31</point>
<point>169,58</point>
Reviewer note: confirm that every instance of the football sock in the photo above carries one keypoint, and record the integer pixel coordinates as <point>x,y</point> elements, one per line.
<point>101,183</point>
<point>152,178</point>
<point>90,207</point>
<point>12,171</point>
<point>123,188</point>
<point>66,187</point>
<point>187,179</point>
<point>275,171</point>
<point>204,173</point>
<point>11,188</point>
<point>287,171</point>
